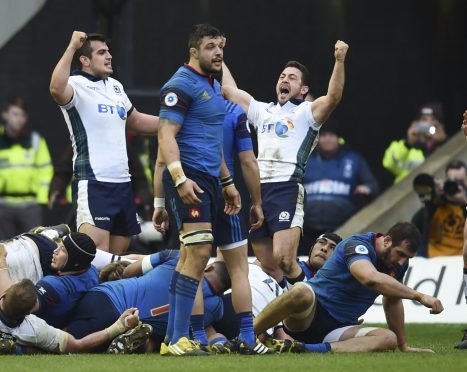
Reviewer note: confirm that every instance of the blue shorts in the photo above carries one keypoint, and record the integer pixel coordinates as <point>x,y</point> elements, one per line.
<point>106,205</point>
<point>322,324</point>
<point>282,208</point>
<point>204,212</point>
<point>230,231</point>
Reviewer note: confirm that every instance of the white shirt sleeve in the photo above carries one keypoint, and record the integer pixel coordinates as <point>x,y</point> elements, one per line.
<point>308,116</point>
<point>34,331</point>
<point>126,100</point>
<point>74,100</point>
<point>254,112</point>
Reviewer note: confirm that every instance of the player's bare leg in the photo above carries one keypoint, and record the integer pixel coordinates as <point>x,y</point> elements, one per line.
<point>263,250</point>
<point>285,245</point>
<point>357,339</point>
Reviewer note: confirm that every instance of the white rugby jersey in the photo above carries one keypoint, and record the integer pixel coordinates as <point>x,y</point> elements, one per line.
<point>34,331</point>
<point>264,289</point>
<point>96,118</point>
<point>286,136</point>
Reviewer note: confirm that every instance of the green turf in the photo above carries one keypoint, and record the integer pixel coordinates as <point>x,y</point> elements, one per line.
<point>441,338</point>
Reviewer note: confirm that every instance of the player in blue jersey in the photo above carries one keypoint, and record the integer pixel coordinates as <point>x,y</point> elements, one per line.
<point>73,276</point>
<point>97,112</point>
<point>324,311</point>
<point>190,143</point>
<point>319,254</point>
<point>149,293</point>
<point>287,133</point>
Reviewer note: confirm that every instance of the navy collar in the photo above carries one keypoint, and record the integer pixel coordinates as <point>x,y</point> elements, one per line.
<point>86,75</point>
<point>293,101</point>
<point>209,77</point>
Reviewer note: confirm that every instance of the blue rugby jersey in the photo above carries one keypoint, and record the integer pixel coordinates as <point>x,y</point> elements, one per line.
<point>196,103</point>
<point>343,296</point>
<point>150,294</point>
<point>59,295</point>
<point>237,137</point>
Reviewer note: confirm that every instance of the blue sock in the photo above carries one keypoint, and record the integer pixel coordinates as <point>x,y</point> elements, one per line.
<point>325,347</point>
<point>170,321</point>
<point>247,333</point>
<point>197,327</point>
<point>185,293</point>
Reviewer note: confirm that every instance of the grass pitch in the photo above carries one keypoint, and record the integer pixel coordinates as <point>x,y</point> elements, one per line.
<point>439,337</point>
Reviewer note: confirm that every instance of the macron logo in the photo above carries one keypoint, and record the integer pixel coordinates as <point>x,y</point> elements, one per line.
<point>102,218</point>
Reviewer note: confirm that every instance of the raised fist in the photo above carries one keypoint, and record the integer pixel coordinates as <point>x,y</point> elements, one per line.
<point>77,39</point>
<point>340,50</point>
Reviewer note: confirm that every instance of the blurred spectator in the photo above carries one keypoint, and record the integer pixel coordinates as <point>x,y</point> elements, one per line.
<point>441,219</point>
<point>25,172</point>
<point>338,182</point>
<point>424,135</point>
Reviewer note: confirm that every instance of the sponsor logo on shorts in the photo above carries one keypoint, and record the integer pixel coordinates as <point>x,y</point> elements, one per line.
<point>284,216</point>
<point>194,213</point>
<point>361,249</point>
<point>102,218</point>
<point>171,99</point>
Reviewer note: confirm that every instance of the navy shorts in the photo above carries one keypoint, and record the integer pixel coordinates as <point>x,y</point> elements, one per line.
<point>94,312</point>
<point>106,205</point>
<point>230,231</point>
<point>322,324</point>
<point>282,208</point>
<point>204,212</point>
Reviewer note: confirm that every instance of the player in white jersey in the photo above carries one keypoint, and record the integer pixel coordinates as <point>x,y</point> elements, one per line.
<point>97,112</point>
<point>16,323</point>
<point>287,132</point>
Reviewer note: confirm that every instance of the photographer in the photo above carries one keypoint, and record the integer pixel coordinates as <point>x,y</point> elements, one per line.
<point>441,219</point>
<point>424,135</point>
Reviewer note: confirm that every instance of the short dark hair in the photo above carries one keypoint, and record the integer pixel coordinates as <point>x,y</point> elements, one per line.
<point>455,164</point>
<point>199,31</point>
<point>305,73</point>
<point>86,49</point>
<point>405,231</point>
<point>20,299</point>
<point>16,102</point>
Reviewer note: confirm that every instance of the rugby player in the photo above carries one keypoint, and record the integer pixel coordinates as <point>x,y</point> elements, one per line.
<point>23,333</point>
<point>287,133</point>
<point>97,112</point>
<point>323,312</point>
<point>190,143</point>
<point>149,293</point>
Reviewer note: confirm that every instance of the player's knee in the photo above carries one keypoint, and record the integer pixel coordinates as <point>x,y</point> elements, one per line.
<point>390,341</point>
<point>284,262</point>
<point>301,297</point>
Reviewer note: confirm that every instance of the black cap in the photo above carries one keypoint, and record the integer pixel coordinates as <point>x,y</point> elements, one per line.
<point>331,236</point>
<point>81,251</point>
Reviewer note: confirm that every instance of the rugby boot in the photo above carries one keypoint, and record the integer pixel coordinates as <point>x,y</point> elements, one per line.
<point>57,231</point>
<point>130,341</point>
<point>226,347</point>
<point>463,343</point>
<point>186,347</point>
<point>257,349</point>
<point>288,346</point>
<point>7,344</point>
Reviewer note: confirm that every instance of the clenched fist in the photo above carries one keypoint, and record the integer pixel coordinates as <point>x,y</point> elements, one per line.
<point>77,39</point>
<point>340,50</point>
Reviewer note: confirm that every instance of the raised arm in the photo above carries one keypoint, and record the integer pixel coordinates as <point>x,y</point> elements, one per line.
<point>323,107</point>
<point>60,90</point>
<point>366,274</point>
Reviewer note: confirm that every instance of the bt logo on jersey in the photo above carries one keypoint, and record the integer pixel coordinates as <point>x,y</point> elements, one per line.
<point>281,128</point>
<point>104,109</point>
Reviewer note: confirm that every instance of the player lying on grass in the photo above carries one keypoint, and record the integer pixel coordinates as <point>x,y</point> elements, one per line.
<point>24,333</point>
<point>149,293</point>
<point>31,255</point>
<point>323,312</point>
